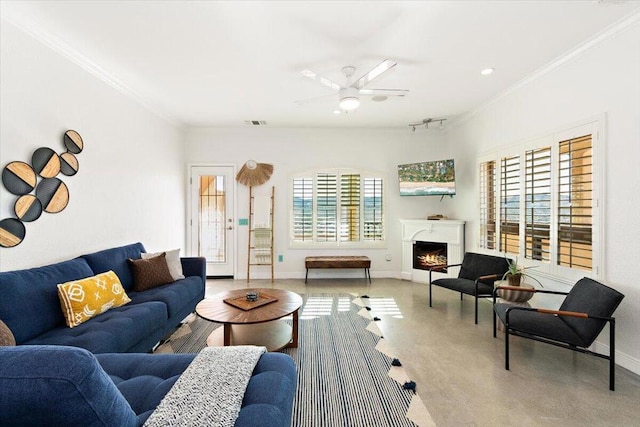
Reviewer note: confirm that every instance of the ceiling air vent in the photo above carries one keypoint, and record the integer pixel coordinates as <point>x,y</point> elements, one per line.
<point>255,122</point>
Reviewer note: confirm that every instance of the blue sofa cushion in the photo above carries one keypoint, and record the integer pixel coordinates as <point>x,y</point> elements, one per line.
<point>115,331</point>
<point>64,386</point>
<point>176,295</point>
<point>116,259</point>
<point>144,379</point>
<point>29,303</point>
<point>269,397</point>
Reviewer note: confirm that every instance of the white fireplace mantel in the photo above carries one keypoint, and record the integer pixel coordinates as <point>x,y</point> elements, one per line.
<point>450,232</point>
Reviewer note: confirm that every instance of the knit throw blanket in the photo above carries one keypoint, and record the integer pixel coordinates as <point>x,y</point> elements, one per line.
<point>211,389</point>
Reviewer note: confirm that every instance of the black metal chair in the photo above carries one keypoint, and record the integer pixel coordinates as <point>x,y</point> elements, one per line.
<point>476,276</point>
<point>575,325</point>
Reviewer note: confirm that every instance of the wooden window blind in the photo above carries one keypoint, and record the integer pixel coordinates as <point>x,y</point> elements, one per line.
<point>575,203</point>
<point>338,207</point>
<point>327,207</point>
<point>303,209</point>
<point>537,204</point>
<point>510,205</point>
<point>349,208</point>
<point>373,214</point>
<point>488,205</point>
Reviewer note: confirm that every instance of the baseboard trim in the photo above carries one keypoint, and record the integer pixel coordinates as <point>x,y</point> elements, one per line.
<point>622,359</point>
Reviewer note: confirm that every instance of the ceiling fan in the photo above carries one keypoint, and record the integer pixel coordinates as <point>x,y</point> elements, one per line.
<point>349,94</point>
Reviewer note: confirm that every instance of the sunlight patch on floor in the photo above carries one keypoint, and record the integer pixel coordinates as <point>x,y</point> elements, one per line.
<point>316,307</point>
<point>385,306</point>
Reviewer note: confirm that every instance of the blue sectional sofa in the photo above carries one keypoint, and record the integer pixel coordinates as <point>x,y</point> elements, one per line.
<point>30,306</point>
<point>95,374</point>
<point>68,386</point>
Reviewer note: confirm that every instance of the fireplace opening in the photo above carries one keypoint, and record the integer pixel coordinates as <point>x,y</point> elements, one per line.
<point>429,255</point>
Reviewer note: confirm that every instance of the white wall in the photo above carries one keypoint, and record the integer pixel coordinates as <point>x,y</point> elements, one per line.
<point>603,79</point>
<point>297,150</point>
<point>130,186</point>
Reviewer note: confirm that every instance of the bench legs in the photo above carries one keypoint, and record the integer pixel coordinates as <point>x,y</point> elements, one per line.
<point>367,275</point>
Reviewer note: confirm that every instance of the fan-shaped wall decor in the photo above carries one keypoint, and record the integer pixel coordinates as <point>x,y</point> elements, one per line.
<point>253,173</point>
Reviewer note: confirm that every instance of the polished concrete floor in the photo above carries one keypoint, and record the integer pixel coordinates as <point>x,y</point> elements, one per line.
<point>459,367</point>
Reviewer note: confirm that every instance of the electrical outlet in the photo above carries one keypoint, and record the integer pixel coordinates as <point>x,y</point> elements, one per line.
<point>280,258</point>
<point>388,257</point>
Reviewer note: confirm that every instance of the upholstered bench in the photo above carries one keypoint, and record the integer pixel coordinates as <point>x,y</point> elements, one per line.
<point>338,262</point>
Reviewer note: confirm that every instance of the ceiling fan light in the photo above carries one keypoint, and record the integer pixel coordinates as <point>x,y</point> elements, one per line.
<point>349,103</point>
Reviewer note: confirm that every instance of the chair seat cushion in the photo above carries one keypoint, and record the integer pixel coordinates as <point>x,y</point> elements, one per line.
<point>539,324</point>
<point>144,379</point>
<point>465,286</point>
<point>115,331</point>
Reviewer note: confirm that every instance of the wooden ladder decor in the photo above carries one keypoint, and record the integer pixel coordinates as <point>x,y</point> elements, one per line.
<point>260,250</point>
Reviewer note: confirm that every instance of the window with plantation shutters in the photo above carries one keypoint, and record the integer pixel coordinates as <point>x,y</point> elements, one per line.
<point>327,208</point>
<point>338,208</point>
<point>488,205</point>
<point>303,209</point>
<point>510,205</point>
<point>575,207</point>
<point>373,219</point>
<point>537,204</point>
<point>548,193</point>
<point>349,208</point>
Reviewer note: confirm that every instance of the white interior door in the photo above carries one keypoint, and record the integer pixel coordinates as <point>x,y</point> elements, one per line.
<point>212,217</point>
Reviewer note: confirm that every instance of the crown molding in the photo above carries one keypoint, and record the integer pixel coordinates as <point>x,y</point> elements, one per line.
<point>579,50</point>
<point>68,52</point>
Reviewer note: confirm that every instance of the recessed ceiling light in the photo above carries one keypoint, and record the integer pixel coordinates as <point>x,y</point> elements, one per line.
<point>486,71</point>
<point>336,112</point>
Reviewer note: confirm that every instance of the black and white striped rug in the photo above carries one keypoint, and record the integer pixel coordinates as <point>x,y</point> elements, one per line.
<point>345,375</point>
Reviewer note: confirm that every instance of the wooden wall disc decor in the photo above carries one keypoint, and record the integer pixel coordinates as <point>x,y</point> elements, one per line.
<point>19,178</point>
<point>12,232</point>
<point>73,141</point>
<point>28,208</point>
<point>46,162</point>
<point>53,194</point>
<point>68,164</point>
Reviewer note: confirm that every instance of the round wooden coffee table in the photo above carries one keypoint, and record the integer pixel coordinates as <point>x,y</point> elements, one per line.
<point>261,325</point>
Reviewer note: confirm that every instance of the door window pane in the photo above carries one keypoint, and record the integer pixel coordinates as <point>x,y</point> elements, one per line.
<point>212,218</point>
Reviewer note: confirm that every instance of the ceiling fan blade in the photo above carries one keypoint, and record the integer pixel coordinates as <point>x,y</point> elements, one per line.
<point>377,71</point>
<point>384,92</point>
<point>333,96</point>
<point>322,80</point>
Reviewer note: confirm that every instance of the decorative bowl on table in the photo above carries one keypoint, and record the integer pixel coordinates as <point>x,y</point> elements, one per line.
<point>252,296</point>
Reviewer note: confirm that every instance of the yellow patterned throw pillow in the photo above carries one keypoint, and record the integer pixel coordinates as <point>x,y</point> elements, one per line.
<point>83,299</point>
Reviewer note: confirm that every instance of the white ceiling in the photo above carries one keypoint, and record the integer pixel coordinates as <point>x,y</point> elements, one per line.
<point>210,63</point>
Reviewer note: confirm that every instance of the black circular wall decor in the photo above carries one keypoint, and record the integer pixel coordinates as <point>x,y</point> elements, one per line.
<point>46,162</point>
<point>53,194</point>
<point>28,208</point>
<point>73,141</point>
<point>12,232</point>
<point>19,178</point>
<point>68,164</point>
